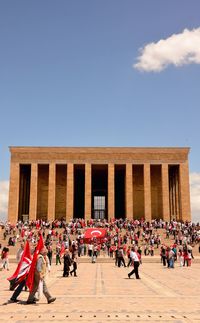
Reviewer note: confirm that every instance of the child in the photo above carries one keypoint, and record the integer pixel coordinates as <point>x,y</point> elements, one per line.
<point>4,257</point>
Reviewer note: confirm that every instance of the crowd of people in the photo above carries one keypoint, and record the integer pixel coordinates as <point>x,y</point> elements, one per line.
<point>126,241</point>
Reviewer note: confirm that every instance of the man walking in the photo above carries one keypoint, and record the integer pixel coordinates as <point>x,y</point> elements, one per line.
<point>18,279</point>
<point>136,262</point>
<point>39,274</point>
<point>121,257</point>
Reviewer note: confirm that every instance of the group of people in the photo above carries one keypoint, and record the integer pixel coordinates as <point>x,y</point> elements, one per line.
<point>38,281</point>
<point>124,238</point>
<point>183,254</point>
<point>68,262</point>
<point>119,232</point>
<point>42,266</point>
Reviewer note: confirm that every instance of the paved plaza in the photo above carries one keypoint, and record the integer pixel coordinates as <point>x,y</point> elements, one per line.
<point>103,293</point>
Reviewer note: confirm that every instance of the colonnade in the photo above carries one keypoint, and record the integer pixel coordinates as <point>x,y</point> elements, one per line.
<point>129,205</point>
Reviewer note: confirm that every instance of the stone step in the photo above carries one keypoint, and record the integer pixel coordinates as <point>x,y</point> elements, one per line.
<point>147,259</point>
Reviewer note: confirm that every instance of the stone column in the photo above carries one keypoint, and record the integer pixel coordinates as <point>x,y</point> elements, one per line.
<point>70,192</point>
<point>129,191</point>
<point>13,203</point>
<point>165,192</point>
<point>184,191</point>
<point>88,197</point>
<point>147,192</point>
<point>52,192</point>
<point>111,191</point>
<point>33,192</point>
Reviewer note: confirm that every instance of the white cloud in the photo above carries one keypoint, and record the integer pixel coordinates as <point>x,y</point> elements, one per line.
<point>195,196</point>
<point>4,188</point>
<point>178,49</point>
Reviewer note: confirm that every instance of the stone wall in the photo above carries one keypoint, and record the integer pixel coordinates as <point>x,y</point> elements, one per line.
<point>52,180</point>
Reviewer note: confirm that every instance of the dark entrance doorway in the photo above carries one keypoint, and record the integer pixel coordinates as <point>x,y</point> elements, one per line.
<point>79,190</point>
<point>99,191</point>
<point>120,172</point>
<point>42,192</point>
<point>24,192</point>
<point>174,192</point>
<point>99,207</point>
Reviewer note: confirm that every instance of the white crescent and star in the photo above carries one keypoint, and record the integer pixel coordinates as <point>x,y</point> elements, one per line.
<point>95,231</point>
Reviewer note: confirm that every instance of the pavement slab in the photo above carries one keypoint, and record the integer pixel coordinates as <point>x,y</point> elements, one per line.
<point>103,292</point>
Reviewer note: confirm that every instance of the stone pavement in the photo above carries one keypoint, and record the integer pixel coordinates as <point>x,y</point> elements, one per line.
<point>103,293</point>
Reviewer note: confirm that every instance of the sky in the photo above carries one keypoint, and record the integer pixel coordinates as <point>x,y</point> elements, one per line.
<point>100,73</point>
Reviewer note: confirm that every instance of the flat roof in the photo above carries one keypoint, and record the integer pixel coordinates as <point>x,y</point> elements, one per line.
<point>102,149</point>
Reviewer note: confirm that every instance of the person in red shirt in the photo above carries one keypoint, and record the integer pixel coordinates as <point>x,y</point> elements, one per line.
<point>4,257</point>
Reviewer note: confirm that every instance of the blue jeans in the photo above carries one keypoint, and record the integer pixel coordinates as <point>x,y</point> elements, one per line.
<point>171,263</point>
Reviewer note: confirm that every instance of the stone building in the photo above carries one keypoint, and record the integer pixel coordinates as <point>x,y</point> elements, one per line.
<point>104,182</point>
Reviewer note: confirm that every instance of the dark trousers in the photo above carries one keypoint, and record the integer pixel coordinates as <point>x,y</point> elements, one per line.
<point>129,262</point>
<point>135,269</point>
<point>74,269</point>
<point>164,260</point>
<point>50,258</point>
<point>18,290</point>
<point>66,270</point>
<point>121,261</point>
<point>116,261</point>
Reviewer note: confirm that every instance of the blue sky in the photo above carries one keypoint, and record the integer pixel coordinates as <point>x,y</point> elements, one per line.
<point>67,75</point>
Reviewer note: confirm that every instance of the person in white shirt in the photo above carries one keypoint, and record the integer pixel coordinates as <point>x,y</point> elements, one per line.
<point>135,256</point>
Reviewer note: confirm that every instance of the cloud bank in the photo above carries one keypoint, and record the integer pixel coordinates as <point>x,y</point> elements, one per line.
<point>178,50</point>
<point>4,188</point>
<point>194,194</point>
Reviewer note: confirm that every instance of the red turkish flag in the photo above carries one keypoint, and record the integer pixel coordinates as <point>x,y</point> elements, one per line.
<point>97,233</point>
<point>30,278</point>
<point>22,268</point>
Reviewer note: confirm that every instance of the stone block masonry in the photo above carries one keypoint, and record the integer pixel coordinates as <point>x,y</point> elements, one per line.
<point>120,182</point>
